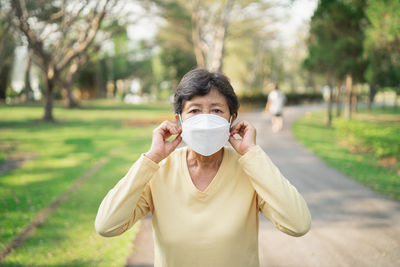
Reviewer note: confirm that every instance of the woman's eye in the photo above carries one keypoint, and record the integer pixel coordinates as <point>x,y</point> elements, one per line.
<point>194,111</point>
<point>216,110</point>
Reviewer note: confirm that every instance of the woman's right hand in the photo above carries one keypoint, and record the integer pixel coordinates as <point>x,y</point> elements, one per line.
<point>160,147</point>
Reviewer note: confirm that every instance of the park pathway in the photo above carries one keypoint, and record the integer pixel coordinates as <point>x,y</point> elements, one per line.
<point>351,226</point>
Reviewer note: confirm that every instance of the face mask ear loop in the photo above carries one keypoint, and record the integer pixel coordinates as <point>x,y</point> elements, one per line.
<point>180,119</point>
<point>230,120</point>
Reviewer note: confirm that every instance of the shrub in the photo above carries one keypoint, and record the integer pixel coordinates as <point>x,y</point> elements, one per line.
<point>260,99</point>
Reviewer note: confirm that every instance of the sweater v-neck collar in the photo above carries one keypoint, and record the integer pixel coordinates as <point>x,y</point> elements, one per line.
<point>214,182</point>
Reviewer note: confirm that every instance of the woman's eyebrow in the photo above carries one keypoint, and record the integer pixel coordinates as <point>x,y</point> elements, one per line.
<point>201,105</point>
<point>194,104</point>
<point>217,104</point>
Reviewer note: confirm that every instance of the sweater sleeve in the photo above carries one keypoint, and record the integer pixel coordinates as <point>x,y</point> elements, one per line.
<point>129,201</point>
<point>278,200</point>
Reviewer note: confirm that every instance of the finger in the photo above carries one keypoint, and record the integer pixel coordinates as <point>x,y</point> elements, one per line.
<point>171,145</point>
<point>235,129</point>
<point>176,141</point>
<point>167,129</point>
<point>161,128</point>
<point>239,129</point>
<point>234,142</point>
<point>173,128</point>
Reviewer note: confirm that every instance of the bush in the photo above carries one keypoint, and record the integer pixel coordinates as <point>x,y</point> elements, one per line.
<point>378,138</point>
<point>340,151</point>
<point>260,99</point>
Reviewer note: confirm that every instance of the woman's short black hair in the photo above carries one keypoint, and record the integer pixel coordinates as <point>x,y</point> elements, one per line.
<point>200,82</point>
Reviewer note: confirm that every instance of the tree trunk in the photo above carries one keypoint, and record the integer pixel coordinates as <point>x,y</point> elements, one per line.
<point>51,78</point>
<point>219,45</point>
<point>349,92</point>
<point>67,86</point>
<point>68,81</point>
<point>102,79</point>
<point>97,83</point>
<point>371,96</point>
<point>196,36</point>
<point>5,72</point>
<point>339,101</point>
<point>354,103</point>
<point>395,101</point>
<point>28,88</point>
<point>328,121</point>
<point>71,102</point>
<point>115,88</point>
<point>48,105</point>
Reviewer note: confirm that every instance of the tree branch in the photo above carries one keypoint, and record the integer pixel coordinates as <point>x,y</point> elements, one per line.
<point>22,15</point>
<point>84,42</point>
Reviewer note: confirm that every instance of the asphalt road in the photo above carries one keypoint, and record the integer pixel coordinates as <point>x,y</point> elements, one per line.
<point>351,225</point>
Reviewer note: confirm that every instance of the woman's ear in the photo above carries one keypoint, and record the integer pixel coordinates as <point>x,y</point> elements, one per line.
<point>177,118</point>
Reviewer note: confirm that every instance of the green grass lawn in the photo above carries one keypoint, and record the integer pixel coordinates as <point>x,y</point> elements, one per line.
<point>60,153</point>
<point>366,148</point>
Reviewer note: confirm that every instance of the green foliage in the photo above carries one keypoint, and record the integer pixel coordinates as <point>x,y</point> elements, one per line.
<point>61,153</point>
<point>251,60</point>
<point>102,68</point>
<point>142,67</point>
<point>259,99</point>
<point>336,37</point>
<point>92,75</point>
<point>123,63</point>
<point>7,47</point>
<point>176,63</point>
<point>380,138</point>
<point>177,32</point>
<point>382,43</point>
<point>332,145</point>
<point>248,57</point>
<point>7,43</point>
<point>121,60</point>
<point>175,40</point>
<point>44,10</point>
<point>3,155</point>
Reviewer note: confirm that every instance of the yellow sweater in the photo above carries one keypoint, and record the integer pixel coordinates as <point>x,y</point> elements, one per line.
<point>214,228</point>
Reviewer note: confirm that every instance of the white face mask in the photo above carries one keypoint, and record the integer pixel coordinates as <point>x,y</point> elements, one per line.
<point>205,133</point>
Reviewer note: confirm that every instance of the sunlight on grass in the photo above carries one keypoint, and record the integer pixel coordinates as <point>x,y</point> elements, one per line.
<point>335,145</point>
<point>63,152</point>
<point>26,178</point>
<point>68,238</point>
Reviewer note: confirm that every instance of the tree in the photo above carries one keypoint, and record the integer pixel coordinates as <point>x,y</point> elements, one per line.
<point>382,45</point>
<point>352,64</point>
<point>211,25</point>
<point>27,79</point>
<point>321,57</point>
<point>111,30</point>
<point>209,31</point>
<point>7,47</point>
<point>120,62</point>
<point>176,54</point>
<point>335,45</point>
<point>252,57</point>
<point>63,31</point>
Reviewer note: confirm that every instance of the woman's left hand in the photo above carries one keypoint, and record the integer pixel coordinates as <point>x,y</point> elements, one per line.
<point>247,133</point>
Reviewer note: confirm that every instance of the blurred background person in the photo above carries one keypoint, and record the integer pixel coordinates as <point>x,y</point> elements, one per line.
<point>275,104</point>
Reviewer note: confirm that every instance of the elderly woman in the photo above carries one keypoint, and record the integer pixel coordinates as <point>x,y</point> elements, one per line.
<point>204,197</point>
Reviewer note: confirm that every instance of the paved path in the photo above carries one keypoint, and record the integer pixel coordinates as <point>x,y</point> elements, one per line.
<point>352,226</point>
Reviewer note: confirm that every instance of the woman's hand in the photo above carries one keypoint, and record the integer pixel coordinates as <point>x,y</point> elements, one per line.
<point>247,133</point>
<point>160,147</point>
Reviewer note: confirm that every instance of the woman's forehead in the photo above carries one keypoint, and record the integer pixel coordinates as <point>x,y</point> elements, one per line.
<point>213,98</point>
